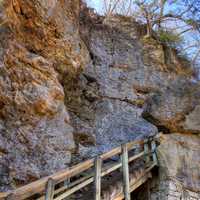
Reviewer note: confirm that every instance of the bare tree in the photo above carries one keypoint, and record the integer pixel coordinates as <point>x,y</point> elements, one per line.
<point>171,20</point>
<point>110,6</point>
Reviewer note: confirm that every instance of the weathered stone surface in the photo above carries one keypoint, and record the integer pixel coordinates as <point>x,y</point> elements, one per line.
<point>179,160</point>
<point>37,38</point>
<point>175,107</point>
<point>179,169</point>
<point>120,71</point>
<point>36,137</point>
<point>127,73</point>
<point>109,105</point>
<point>192,122</point>
<point>154,71</point>
<point>172,190</point>
<point>49,28</point>
<point>132,68</point>
<point>116,122</point>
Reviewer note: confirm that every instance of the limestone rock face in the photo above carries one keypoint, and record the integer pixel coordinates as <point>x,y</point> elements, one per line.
<point>112,126</point>
<point>121,75</point>
<point>178,155</point>
<point>176,107</point>
<point>139,70</point>
<point>109,110</point>
<point>179,169</point>
<point>153,71</point>
<point>38,40</point>
<point>51,29</point>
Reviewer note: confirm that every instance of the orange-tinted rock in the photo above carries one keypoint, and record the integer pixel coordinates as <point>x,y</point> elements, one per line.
<point>38,40</point>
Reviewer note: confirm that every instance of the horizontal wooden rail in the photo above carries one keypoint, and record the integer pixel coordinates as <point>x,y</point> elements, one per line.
<point>142,179</point>
<point>3,195</point>
<point>38,187</point>
<point>89,179</point>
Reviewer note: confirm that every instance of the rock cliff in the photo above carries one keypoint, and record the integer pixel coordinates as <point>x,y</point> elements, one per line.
<point>40,44</point>
<point>75,83</point>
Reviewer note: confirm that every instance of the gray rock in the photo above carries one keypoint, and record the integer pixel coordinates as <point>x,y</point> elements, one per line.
<point>36,137</point>
<point>117,122</point>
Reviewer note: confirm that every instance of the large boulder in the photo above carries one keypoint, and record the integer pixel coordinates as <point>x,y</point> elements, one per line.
<point>179,173</point>
<point>175,108</point>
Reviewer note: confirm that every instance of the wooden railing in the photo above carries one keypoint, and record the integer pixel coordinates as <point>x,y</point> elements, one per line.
<point>58,186</point>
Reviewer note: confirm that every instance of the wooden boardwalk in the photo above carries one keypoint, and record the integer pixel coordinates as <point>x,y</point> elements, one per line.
<point>92,173</point>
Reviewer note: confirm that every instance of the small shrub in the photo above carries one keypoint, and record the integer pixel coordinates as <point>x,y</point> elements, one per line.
<point>169,37</point>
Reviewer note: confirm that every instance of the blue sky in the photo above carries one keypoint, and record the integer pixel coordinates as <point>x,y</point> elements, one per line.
<point>97,4</point>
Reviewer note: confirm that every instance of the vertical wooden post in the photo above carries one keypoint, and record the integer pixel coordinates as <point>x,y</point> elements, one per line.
<point>153,149</point>
<point>146,152</point>
<point>67,182</point>
<point>125,168</point>
<point>148,190</point>
<point>98,163</point>
<point>50,189</point>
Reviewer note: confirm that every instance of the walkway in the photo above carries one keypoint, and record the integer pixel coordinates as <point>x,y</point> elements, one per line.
<point>110,176</point>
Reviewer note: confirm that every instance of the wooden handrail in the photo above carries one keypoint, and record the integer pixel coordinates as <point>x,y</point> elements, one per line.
<point>39,186</point>
<point>3,195</point>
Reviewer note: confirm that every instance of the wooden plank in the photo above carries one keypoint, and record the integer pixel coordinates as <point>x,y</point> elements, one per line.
<point>72,184</point>
<point>39,186</point>
<point>83,185</point>
<point>142,179</point>
<point>148,190</point>
<point>132,144</point>
<point>133,187</point>
<point>111,153</point>
<point>117,150</point>
<point>65,187</point>
<point>67,182</point>
<point>98,164</point>
<point>133,158</point>
<point>50,189</point>
<point>139,182</point>
<point>146,151</point>
<point>74,189</point>
<point>3,195</point>
<point>153,149</point>
<point>125,168</point>
<point>110,168</point>
<point>105,171</point>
